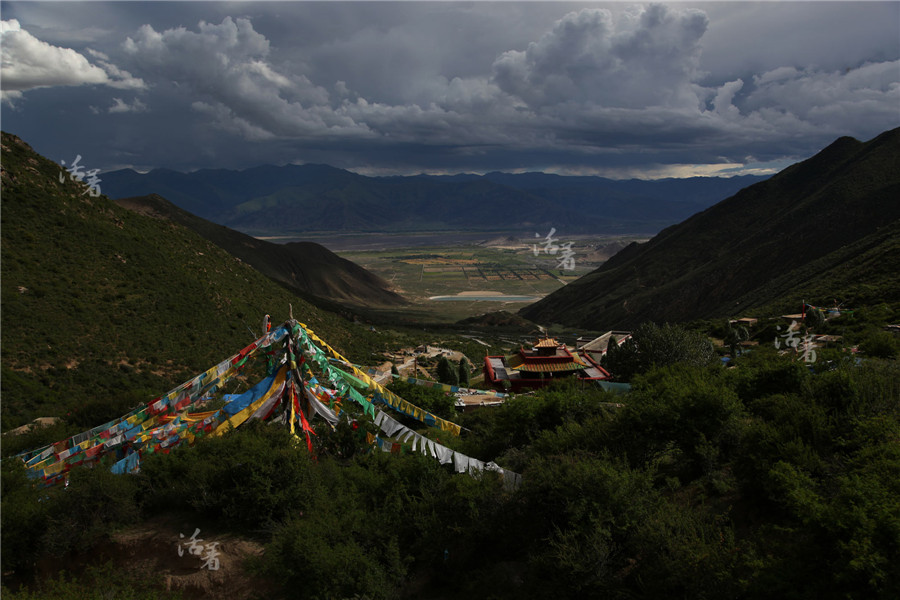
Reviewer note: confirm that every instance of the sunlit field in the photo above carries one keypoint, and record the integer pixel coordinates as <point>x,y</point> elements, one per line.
<point>507,267</point>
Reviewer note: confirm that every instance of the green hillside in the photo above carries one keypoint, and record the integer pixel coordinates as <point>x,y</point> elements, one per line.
<point>104,308</point>
<point>823,229</point>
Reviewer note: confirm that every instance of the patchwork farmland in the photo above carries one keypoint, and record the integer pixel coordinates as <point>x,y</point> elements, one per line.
<point>511,269</point>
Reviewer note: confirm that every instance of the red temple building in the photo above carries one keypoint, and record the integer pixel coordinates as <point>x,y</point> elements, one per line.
<point>548,360</point>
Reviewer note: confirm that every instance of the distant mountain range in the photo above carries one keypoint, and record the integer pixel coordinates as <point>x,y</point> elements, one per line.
<point>828,227</point>
<point>306,268</point>
<point>295,199</point>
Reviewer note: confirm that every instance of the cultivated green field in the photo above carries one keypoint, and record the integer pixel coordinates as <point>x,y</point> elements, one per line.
<point>509,268</point>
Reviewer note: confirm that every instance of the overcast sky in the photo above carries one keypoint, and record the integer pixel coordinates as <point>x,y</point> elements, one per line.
<point>614,89</point>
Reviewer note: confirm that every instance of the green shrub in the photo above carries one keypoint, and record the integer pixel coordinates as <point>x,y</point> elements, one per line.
<point>880,344</point>
<point>433,400</point>
<point>24,520</point>
<point>95,502</point>
<point>98,582</point>
<point>252,477</point>
<point>689,407</point>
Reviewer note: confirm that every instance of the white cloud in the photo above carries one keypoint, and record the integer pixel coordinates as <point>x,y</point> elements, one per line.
<point>29,63</point>
<point>724,97</point>
<point>759,37</point>
<point>661,171</point>
<point>10,96</point>
<point>863,98</point>
<point>226,66</point>
<point>779,74</point>
<point>645,57</point>
<point>119,106</point>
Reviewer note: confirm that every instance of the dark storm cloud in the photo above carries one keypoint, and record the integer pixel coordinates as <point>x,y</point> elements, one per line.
<point>615,89</point>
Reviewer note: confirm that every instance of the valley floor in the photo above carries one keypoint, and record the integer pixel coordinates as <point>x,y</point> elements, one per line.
<point>470,274</point>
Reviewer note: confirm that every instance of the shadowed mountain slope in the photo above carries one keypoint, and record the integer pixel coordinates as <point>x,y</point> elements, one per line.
<point>827,226</point>
<point>304,267</point>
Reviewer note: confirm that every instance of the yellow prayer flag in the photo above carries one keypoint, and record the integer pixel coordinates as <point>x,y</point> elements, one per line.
<point>54,469</point>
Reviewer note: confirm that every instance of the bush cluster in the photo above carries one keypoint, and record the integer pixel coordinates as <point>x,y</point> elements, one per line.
<point>763,480</point>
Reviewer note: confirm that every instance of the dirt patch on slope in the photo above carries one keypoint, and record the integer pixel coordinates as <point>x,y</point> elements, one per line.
<point>218,568</point>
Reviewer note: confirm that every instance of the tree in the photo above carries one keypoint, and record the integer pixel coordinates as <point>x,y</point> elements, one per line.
<point>464,371</point>
<point>814,319</point>
<point>734,336</point>
<point>612,349</point>
<point>653,346</point>
<point>445,372</point>
<point>394,370</point>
